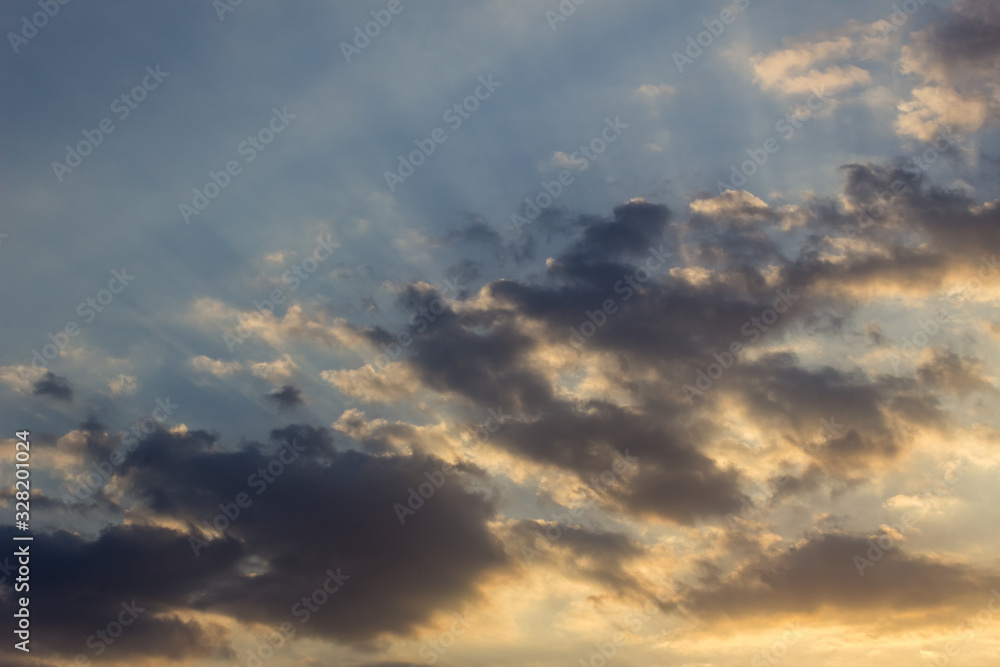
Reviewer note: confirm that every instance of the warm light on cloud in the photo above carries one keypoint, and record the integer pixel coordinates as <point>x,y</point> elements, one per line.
<point>934,109</point>
<point>122,385</point>
<point>216,367</point>
<point>278,371</point>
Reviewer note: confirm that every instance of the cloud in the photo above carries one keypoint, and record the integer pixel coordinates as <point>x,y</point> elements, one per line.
<point>774,68</point>
<point>832,80</point>
<point>936,108</point>
<point>216,367</point>
<point>562,160</point>
<point>806,64</point>
<point>790,402</point>
<point>280,370</point>
<point>326,509</point>
<point>732,204</point>
<point>946,370</point>
<point>122,385</point>
<point>297,323</point>
<point>151,566</point>
<point>655,91</point>
<point>819,576</point>
<point>473,352</point>
<point>54,386</point>
<point>18,377</point>
<point>595,556</point>
<point>957,226</point>
<point>286,398</point>
<point>958,59</point>
<point>394,382</point>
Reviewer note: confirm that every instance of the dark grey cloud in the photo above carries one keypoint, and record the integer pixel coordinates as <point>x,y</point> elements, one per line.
<point>955,374</point>
<point>287,397</point>
<point>82,585</point>
<point>484,356</point>
<point>794,401</point>
<point>633,228</point>
<point>967,35</point>
<point>912,232</point>
<point>321,509</point>
<point>325,510</point>
<point>596,556</point>
<point>54,386</point>
<point>821,576</point>
<point>677,326</point>
<point>670,479</point>
<point>491,369</point>
<point>739,236</point>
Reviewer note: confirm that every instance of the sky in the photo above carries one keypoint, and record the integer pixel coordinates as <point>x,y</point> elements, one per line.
<point>509,332</point>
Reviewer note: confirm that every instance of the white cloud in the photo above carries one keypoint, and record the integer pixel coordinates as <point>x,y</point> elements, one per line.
<point>278,372</point>
<point>123,385</point>
<point>216,367</point>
